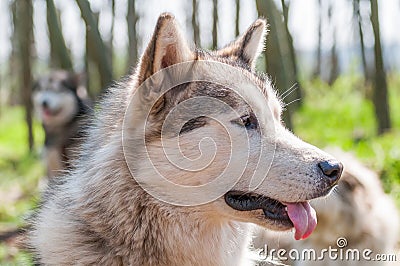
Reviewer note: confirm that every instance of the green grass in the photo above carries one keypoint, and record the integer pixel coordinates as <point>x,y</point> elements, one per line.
<point>10,256</point>
<point>20,172</point>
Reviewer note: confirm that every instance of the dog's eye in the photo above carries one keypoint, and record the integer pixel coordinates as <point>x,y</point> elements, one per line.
<point>248,121</point>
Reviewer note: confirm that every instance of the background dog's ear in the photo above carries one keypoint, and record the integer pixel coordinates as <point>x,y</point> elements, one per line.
<point>76,82</point>
<point>248,46</point>
<point>166,48</point>
<point>350,182</point>
<point>81,91</point>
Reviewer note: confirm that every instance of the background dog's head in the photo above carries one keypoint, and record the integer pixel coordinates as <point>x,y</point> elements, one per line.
<point>57,97</point>
<point>248,126</point>
<point>358,210</point>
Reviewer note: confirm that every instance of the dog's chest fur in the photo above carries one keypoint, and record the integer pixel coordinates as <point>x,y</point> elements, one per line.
<point>108,219</point>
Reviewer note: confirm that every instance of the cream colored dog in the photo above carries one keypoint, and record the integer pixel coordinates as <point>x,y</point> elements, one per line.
<point>105,213</point>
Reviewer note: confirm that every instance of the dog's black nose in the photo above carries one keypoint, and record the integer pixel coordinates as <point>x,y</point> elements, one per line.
<point>45,104</point>
<point>332,169</point>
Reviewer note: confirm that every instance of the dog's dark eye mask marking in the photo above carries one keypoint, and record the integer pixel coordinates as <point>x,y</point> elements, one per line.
<point>69,85</point>
<point>193,124</point>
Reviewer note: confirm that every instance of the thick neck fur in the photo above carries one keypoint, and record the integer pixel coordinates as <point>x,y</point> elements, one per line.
<point>119,223</point>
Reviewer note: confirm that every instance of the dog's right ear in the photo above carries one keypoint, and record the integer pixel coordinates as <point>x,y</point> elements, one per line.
<point>166,48</point>
<point>249,45</point>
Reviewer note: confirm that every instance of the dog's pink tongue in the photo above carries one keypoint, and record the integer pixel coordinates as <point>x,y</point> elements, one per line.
<point>303,217</point>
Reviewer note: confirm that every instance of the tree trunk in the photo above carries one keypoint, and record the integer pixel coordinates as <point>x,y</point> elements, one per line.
<point>14,81</point>
<point>380,95</point>
<point>96,43</point>
<point>237,21</point>
<point>87,65</point>
<point>60,57</point>
<point>92,69</point>
<point>25,43</point>
<point>132,19</point>
<point>277,57</point>
<point>357,15</point>
<point>317,70</point>
<point>215,25</point>
<point>293,60</point>
<point>110,44</point>
<point>195,23</point>
<point>334,70</point>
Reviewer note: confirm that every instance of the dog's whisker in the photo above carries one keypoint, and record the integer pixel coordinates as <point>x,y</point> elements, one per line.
<point>287,104</point>
<point>289,91</point>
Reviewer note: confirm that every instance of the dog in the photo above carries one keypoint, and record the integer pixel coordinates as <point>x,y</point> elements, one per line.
<point>107,210</point>
<point>358,215</point>
<point>62,106</point>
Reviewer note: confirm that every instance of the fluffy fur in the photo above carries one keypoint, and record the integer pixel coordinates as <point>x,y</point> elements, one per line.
<point>98,214</point>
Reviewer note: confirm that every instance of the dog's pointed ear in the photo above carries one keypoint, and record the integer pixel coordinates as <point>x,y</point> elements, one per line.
<point>350,182</point>
<point>81,80</point>
<point>166,48</point>
<point>249,45</point>
<point>76,82</point>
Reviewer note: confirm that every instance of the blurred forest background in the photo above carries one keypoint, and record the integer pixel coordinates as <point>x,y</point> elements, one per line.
<point>335,62</point>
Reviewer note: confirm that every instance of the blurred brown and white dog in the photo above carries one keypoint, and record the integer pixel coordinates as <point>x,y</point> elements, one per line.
<point>104,213</point>
<point>62,105</point>
<point>357,215</point>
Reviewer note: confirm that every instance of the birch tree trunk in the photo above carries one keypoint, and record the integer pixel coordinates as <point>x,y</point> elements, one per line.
<point>237,21</point>
<point>277,56</point>
<point>25,45</point>
<point>132,19</point>
<point>292,60</point>
<point>98,51</point>
<point>215,25</point>
<point>195,23</point>
<point>317,69</point>
<point>60,57</point>
<point>380,95</point>
<point>357,15</point>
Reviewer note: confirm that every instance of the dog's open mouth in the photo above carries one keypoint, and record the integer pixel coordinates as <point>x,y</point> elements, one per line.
<point>300,214</point>
<point>49,112</point>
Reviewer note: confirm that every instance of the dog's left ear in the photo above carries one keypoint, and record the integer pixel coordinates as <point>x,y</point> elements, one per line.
<point>166,48</point>
<point>248,46</point>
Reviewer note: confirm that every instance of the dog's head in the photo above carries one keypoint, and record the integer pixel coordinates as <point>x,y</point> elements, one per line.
<point>226,130</point>
<point>57,96</point>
